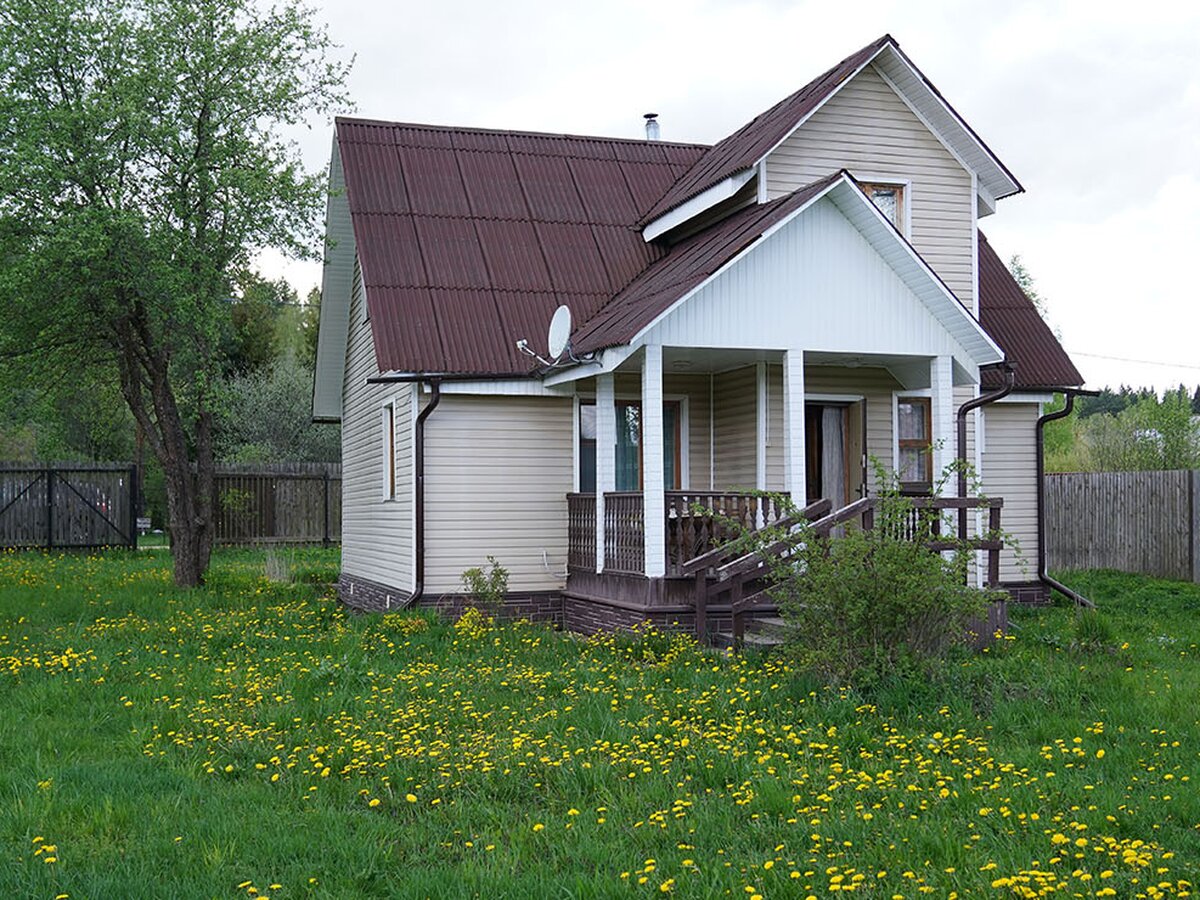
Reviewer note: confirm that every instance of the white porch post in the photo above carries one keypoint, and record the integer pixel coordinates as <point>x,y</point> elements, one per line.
<point>794,481</point>
<point>606,454</point>
<point>941,380</point>
<point>760,458</point>
<point>653,481</point>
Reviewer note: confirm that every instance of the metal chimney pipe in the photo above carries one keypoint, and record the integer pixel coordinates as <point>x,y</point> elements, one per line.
<point>652,133</point>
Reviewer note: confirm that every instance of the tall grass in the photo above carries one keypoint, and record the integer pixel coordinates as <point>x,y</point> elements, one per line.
<point>253,739</point>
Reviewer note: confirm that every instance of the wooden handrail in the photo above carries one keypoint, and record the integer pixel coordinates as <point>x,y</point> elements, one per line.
<point>712,557</point>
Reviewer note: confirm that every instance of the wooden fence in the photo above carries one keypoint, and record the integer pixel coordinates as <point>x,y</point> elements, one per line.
<point>283,503</point>
<point>1143,522</point>
<point>67,505</point>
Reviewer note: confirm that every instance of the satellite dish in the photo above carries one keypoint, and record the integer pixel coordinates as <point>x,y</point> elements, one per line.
<point>560,332</point>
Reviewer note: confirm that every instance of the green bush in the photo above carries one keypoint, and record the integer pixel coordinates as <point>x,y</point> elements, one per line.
<point>873,604</point>
<point>487,586</point>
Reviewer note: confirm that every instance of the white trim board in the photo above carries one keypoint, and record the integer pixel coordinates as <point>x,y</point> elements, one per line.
<point>706,199</point>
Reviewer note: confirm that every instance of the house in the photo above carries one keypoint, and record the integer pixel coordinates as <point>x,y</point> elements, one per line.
<point>764,313</point>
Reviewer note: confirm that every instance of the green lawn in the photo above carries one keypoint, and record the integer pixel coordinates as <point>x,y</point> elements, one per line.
<point>252,739</point>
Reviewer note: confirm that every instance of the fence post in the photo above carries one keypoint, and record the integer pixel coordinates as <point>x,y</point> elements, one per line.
<point>49,509</point>
<point>133,506</point>
<point>1194,532</point>
<point>325,539</point>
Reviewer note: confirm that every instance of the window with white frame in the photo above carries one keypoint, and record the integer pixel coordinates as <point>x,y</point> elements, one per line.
<point>388,427</point>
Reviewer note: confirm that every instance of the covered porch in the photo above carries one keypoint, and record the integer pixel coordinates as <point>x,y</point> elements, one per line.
<point>675,429</point>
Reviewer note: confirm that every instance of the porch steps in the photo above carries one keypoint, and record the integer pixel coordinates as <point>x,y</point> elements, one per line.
<point>762,633</point>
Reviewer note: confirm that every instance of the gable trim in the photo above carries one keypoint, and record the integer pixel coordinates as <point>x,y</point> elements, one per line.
<point>337,286</point>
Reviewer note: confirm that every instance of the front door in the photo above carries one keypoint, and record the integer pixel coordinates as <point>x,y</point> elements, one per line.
<point>834,446</point>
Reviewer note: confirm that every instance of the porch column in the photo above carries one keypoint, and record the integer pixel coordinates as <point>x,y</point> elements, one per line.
<point>794,481</point>
<point>606,454</point>
<point>653,481</point>
<point>941,380</point>
<point>760,458</point>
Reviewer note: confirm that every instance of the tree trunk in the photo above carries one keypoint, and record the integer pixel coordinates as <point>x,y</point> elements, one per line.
<point>189,483</point>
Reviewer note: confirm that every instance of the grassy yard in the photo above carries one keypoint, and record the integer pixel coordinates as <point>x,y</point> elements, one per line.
<point>252,739</point>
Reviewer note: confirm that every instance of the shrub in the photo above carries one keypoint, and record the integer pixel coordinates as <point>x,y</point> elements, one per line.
<point>487,586</point>
<point>875,603</point>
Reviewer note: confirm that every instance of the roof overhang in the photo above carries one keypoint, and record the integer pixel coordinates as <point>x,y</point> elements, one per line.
<point>336,284</point>
<point>722,190</point>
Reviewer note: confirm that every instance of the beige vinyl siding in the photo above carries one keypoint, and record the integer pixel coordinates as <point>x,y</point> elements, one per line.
<point>867,129</point>
<point>1010,472</point>
<point>497,474</point>
<point>735,429</point>
<point>377,534</point>
<point>695,388</point>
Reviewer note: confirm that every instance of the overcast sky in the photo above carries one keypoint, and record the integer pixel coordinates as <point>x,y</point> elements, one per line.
<point>1094,106</point>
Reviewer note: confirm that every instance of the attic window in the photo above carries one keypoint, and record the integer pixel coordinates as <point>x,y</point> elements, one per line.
<point>889,199</point>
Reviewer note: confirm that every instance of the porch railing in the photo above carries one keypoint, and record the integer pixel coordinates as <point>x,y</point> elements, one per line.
<point>696,522</point>
<point>581,531</point>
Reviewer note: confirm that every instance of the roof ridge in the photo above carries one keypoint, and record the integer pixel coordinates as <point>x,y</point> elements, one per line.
<point>549,135</point>
<point>815,87</point>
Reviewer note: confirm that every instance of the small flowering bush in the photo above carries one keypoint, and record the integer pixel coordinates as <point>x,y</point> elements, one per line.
<point>869,604</point>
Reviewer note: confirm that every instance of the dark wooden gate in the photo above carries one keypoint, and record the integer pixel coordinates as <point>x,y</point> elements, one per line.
<point>67,506</point>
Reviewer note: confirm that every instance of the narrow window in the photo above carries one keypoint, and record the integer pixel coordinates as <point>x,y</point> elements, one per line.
<point>889,199</point>
<point>389,451</point>
<point>914,439</point>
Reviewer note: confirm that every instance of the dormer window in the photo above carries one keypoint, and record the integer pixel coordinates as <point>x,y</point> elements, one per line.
<point>889,199</point>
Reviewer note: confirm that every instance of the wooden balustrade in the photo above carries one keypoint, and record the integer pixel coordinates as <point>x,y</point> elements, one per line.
<point>744,576</point>
<point>581,532</point>
<point>698,521</point>
<point>624,533</point>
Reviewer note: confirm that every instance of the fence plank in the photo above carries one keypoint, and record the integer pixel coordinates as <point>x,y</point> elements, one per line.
<point>280,503</point>
<point>1140,522</point>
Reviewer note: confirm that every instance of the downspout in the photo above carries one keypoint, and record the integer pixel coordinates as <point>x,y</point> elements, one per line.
<point>1010,375</point>
<point>1042,575</point>
<point>435,388</point>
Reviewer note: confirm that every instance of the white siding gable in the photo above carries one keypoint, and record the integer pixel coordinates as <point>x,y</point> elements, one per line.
<point>818,284</point>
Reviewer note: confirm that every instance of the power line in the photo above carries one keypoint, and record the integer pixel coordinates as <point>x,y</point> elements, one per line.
<point>1143,362</point>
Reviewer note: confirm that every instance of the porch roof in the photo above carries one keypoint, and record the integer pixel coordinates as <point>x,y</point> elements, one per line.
<point>700,259</point>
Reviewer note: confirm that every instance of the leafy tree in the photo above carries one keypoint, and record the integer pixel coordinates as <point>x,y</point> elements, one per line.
<point>141,166</point>
<point>1148,434</point>
<point>311,320</point>
<point>267,417</point>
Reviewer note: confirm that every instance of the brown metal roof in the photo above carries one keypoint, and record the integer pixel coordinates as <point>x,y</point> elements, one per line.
<point>1015,324</point>
<point>752,141</point>
<point>688,264</point>
<point>468,239</point>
